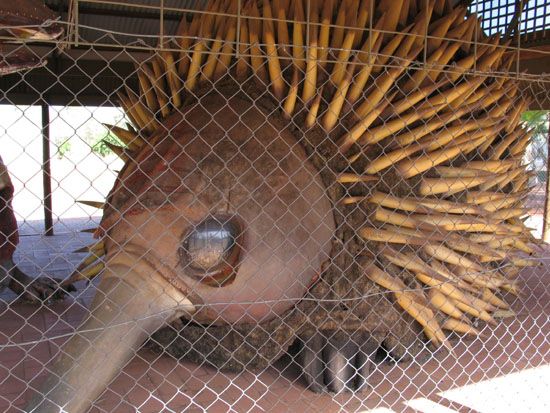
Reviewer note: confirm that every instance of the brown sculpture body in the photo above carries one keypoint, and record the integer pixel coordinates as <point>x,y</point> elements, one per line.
<point>292,192</point>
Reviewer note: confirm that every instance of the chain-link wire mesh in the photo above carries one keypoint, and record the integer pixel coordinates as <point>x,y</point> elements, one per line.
<point>273,206</point>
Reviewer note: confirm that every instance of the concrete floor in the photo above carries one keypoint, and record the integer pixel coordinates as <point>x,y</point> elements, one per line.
<point>506,370</point>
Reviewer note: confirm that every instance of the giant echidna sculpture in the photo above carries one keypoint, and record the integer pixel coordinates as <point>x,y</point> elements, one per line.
<point>325,170</point>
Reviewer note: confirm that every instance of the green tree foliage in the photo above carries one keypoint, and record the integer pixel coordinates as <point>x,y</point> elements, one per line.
<point>537,153</point>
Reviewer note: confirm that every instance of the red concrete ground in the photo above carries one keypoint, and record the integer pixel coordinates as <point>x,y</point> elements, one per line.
<point>30,338</point>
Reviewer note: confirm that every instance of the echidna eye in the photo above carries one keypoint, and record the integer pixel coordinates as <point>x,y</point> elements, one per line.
<point>210,248</point>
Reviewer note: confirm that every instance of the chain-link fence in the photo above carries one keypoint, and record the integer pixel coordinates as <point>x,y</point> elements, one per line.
<point>273,206</point>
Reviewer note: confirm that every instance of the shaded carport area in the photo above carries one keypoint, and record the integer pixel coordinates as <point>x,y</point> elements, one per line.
<point>505,369</point>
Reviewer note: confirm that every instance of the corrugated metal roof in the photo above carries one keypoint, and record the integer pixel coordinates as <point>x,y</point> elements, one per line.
<point>125,22</point>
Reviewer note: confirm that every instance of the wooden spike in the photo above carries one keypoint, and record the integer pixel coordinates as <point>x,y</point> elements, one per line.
<point>243,63</point>
<point>365,60</point>
<point>147,90</point>
<point>313,110</point>
<point>131,139</point>
<point>332,115</point>
<point>310,81</point>
<point>382,85</point>
<point>117,150</point>
<point>442,303</point>
<point>94,204</point>
<point>347,141</point>
<point>392,9</point>
<point>382,278</point>
<point>256,55</point>
<point>424,316</point>
<point>445,254</point>
<point>324,32</point>
<point>273,64</point>
<point>174,81</point>
<point>298,49</point>
<point>290,101</point>
<point>459,327</point>
<point>157,75</point>
<point>85,274</point>
<point>448,186</point>
<point>346,178</point>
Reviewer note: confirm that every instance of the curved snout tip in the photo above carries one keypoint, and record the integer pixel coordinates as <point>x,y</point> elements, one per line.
<point>129,305</point>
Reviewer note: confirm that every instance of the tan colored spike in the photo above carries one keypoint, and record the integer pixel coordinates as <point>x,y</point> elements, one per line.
<point>94,204</point>
<point>148,121</point>
<point>459,327</point>
<point>419,75</point>
<point>256,55</point>
<point>332,115</point>
<point>131,139</point>
<point>445,254</point>
<point>365,11</point>
<point>273,64</point>
<point>155,76</point>
<point>339,70</point>
<point>414,166</point>
<point>85,274</point>
<point>313,110</point>
<point>345,178</point>
<point>185,37</point>
<point>228,49</point>
<point>442,303</point>
<point>424,316</point>
<point>174,81</point>
<point>298,49</point>
<point>375,135</point>
<point>347,141</point>
<point>324,32</point>
<point>436,123</point>
<point>243,62</point>
<point>128,110</point>
<point>147,90</point>
<point>392,9</point>
<point>476,312</point>
<point>337,36</point>
<point>290,101</point>
<point>388,52</point>
<point>401,220</point>
<point>283,37</point>
<point>440,29</point>
<point>410,100</point>
<point>117,150</point>
<point>310,81</point>
<point>458,298</point>
<point>503,202</point>
<point>448,207</point>
<point>386,160</point>
<point>382,235</point>
<point>448,186</point>
<point>383,83</point>
<point>477,279</point>
<point>481,197</point>
<point>384,279</point>
<point>490,297</point>
<point>464,244</point>
<point>507,213</point>
<point>393,202</point>
<point>364,61</point>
